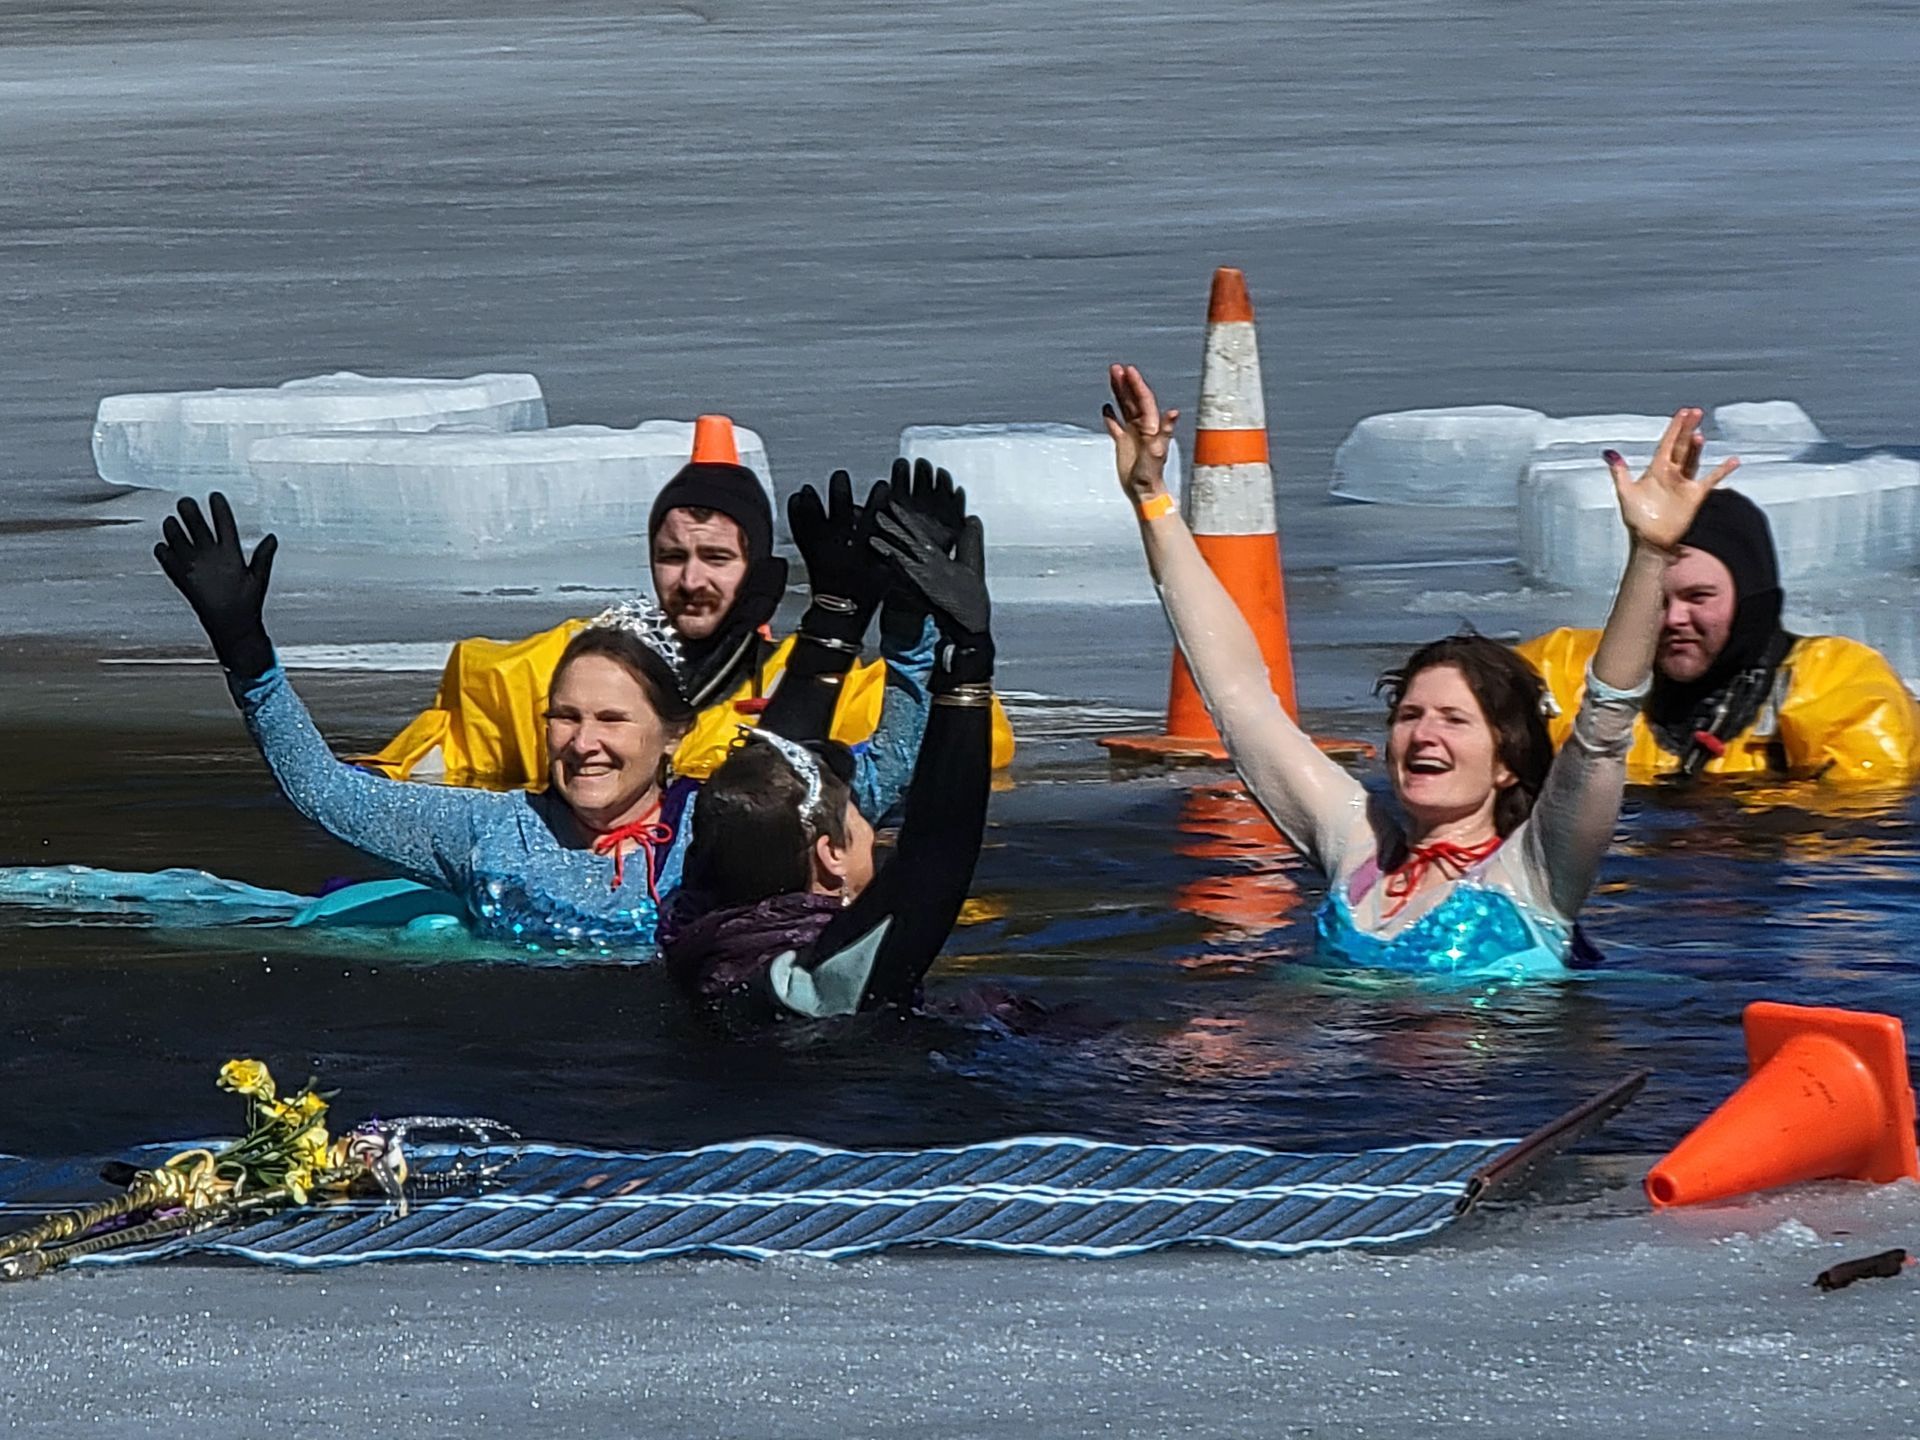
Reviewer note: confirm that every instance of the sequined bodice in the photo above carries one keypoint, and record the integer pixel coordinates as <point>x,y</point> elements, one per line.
<point>1475,931</point>
<point>563,898</point>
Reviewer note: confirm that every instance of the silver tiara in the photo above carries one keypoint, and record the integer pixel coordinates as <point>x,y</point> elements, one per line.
<point>647,623</point>
<point>805,766</point>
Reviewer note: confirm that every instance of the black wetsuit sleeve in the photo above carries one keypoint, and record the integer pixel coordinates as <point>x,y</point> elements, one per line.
<point>917,895</point>
<point>824,649</point>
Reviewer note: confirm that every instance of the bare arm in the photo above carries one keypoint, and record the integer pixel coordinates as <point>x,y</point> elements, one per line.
<point>1316,804</point>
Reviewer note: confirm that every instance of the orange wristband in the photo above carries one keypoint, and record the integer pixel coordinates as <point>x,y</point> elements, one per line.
<point>1156,506</point>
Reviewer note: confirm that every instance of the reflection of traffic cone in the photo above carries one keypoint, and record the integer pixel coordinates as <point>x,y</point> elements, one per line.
<point>1251,894</point>
<point>1826,1098</point>
<point>1229,505</point>
<point>713,441</point>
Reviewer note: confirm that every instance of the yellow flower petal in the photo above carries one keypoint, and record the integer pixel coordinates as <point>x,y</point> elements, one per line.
<point>247,1077</point>
<point>307,1104</point>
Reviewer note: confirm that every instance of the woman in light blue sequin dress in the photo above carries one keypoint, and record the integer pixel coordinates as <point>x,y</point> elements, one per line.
<point>1497,840</point>
<point>582,865</point>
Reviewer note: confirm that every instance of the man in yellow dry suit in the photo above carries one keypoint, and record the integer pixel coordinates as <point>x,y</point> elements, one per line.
<point>1735,694</point>
<point>710,537</point>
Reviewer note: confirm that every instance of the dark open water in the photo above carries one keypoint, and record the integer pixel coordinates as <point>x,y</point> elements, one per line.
<point>1152,915</point>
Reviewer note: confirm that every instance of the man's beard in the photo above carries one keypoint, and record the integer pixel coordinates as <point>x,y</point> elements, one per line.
<point>725,656</point>
<point>695,617</point>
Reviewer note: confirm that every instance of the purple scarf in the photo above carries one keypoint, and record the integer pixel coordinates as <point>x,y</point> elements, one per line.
<point>714,953</point>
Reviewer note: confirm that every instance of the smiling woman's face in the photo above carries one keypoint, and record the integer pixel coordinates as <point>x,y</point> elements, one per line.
<point>1442,755</point>
<point>604,741</point>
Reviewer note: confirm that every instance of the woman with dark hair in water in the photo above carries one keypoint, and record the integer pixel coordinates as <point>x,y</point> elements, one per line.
<point>1497,841</point>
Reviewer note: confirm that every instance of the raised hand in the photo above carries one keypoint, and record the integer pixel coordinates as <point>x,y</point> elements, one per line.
<point>953,587</point>
<point>226,589</point>
<point>1141,433</point>
<point>918,487</point>
<point>931,494</point>
<point>1659,507</point>
<point>832,539</point>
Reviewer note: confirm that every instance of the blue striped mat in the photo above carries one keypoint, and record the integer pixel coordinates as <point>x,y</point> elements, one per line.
<point>761,1198</point>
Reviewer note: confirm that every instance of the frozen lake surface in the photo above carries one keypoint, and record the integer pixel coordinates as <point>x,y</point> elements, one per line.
<point>1585,1322</point>
<point>833,222</point>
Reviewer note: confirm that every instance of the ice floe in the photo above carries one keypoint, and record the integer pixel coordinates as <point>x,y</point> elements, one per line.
<point>195,440</point>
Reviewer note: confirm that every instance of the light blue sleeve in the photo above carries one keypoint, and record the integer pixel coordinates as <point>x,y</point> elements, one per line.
<point>425,831</point>
<point>883,766</point>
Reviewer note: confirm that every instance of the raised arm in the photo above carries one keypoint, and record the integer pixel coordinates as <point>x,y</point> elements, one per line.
<point>1573,820</point>
<point>883,767</point>
<point>1316,804</point>
<point>847,581</point>
<point>886,940</point>
<point>424,831</point>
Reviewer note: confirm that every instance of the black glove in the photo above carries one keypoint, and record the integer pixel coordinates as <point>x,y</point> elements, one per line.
<point>227,590</point>
<point>952,587</point>
<point>842,571</point>
<point>931,494</point>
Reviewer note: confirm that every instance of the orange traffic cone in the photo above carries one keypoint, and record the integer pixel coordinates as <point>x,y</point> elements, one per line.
<point>1249,892</point>
<point>1230,508</point>
<point>713,442</point>
<point>1826,1098</point>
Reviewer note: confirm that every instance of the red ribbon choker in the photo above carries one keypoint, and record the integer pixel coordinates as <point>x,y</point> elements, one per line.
<point>648,834</point>
<point>1449,859</point>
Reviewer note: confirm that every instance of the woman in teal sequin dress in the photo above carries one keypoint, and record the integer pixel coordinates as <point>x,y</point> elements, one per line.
<point>1497,840</point>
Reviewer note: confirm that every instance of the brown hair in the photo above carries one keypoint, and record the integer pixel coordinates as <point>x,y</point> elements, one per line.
<point>1513,698</point>
<point>749,842</point>
<point>639,660</point>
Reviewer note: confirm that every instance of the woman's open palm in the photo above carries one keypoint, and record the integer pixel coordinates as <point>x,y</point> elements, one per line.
<point>1659,507</point>
<point>1141,431</point>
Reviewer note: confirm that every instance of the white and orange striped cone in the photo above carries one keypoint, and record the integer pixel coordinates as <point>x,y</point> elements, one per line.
<point>1230,509</point>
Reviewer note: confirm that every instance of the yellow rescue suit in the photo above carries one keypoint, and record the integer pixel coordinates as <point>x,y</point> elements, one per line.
<point>488,719</point>
<point>1837,712</point>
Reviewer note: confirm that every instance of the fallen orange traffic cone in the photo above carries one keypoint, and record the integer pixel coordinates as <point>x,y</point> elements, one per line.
<point>1230,508</point>
<point>713,442</point>
<point>1826,1098</point>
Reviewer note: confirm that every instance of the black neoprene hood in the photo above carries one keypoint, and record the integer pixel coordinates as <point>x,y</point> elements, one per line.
<point>731,490</point>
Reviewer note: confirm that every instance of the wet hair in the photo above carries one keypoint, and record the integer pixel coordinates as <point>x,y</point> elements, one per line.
<point>639,660</point>
<point>1513,698</point>
<point>749,841</point>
